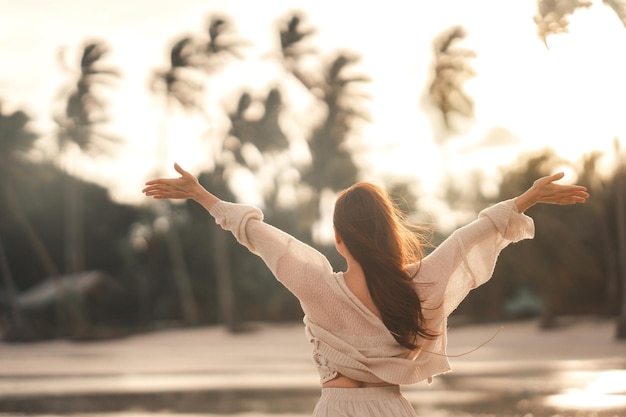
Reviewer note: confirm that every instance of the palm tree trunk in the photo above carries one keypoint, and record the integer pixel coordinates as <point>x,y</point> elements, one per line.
<point>41,252</point>
<point>74,258</point>
<point>621,245</point>
<point>613,290</point>
<point>224,283</point>
<point>16,323</point>
<point>74,251</point>
<point>189,309</point>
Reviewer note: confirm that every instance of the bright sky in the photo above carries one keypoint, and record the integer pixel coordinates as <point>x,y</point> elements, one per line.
<point>569,97</point>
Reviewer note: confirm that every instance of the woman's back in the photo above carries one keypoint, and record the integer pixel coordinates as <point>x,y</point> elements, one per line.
<point>357,284</point>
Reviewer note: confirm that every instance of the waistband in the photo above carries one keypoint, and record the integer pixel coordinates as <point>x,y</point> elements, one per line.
<point>361,394</point>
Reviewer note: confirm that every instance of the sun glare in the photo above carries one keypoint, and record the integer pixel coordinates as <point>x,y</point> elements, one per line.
<point>606,391</point>
<point>567,96</point>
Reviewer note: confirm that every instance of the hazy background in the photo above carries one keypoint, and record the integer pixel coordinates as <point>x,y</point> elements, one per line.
<point>450,105</point>
<point>566,97</point>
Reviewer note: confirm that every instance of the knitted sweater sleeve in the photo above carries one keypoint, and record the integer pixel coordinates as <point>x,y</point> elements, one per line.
<point>467,258</point>
<point>295,264</point>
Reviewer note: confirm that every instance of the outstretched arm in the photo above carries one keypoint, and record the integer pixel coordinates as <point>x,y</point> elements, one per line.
<point>295,264</point>
<point>544,190</point>
<point>184,187</point>
<point>468,257</point>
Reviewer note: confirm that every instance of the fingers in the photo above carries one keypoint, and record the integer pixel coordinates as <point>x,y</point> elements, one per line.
<point>577,191</point>
<point>148,188</point>
<point>180,170</point>
<point>160,191</point>
<point>156,181</point>
<point>571,200</point>
<point>170,188</point>
<point>554,193</point>
<point>153,190</point>
<point>547,180</point>
<point>556,177</point>
<point>572,195</point>
<point>159,181</point>
<point>581,192</point>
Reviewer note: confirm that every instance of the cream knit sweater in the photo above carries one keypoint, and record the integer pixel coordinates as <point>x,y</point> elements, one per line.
<point>346,336</point>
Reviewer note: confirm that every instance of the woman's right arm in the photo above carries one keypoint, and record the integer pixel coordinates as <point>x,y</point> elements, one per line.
<point>291,261</point>
<point>182,188</point>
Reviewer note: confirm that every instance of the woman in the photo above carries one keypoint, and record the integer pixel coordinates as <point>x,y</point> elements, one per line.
<point>382,322</point>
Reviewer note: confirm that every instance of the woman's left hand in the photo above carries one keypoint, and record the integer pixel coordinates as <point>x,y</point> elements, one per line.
<point>544,190</point>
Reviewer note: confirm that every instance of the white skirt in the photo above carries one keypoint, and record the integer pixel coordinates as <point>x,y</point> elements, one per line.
<point>363,402</point>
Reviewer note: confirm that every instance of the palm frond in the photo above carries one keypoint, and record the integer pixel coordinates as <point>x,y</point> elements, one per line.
<point>552,16</point>
<point>619,7</point>
<point>220,41</point>
<point>84,110</point>
<point>16,139</point>
<point>92,53</point>
<point>444,41</point>
<point>451,70</point>
<point>292,35</point>
<point>182,53</point>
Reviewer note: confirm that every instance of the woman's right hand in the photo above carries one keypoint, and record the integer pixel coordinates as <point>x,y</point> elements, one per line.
<point>184,187</point>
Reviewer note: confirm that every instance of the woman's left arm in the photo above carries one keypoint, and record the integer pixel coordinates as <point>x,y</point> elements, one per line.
<point>544,190</point>
<point>467,258</point>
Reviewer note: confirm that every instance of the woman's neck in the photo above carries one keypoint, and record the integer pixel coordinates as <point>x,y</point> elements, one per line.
<point>353,268</point>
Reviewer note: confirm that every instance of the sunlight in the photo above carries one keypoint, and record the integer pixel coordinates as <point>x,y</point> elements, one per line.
<point>606,391</point>
<point>567,97</point>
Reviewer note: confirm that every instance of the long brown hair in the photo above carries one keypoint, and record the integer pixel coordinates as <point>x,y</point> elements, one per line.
<point>374,233</point>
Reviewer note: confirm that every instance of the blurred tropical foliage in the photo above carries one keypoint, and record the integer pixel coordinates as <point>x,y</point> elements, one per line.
<point>552,16</point>
<point>76,264</point>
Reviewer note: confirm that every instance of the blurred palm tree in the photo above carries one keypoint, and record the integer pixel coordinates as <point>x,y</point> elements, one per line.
<point>220,45</point>
<point>80,132</point>
<point>181,84</point>
<point>451,70</point>
<point>80,129</point>
<point>263,138</point>
<point>552,18</point>
<point>16,140</point>
<point>177,84</point>
<point>333,164</point>
<point>600,207</point>
<point>334,85</point>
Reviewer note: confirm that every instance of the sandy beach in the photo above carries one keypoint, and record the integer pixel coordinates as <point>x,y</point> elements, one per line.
<point>268,370</point>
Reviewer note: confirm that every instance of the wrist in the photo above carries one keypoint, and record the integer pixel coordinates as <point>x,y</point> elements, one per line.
<point>197,192</point>
<point>202,196</point>
<point>525,200</point>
